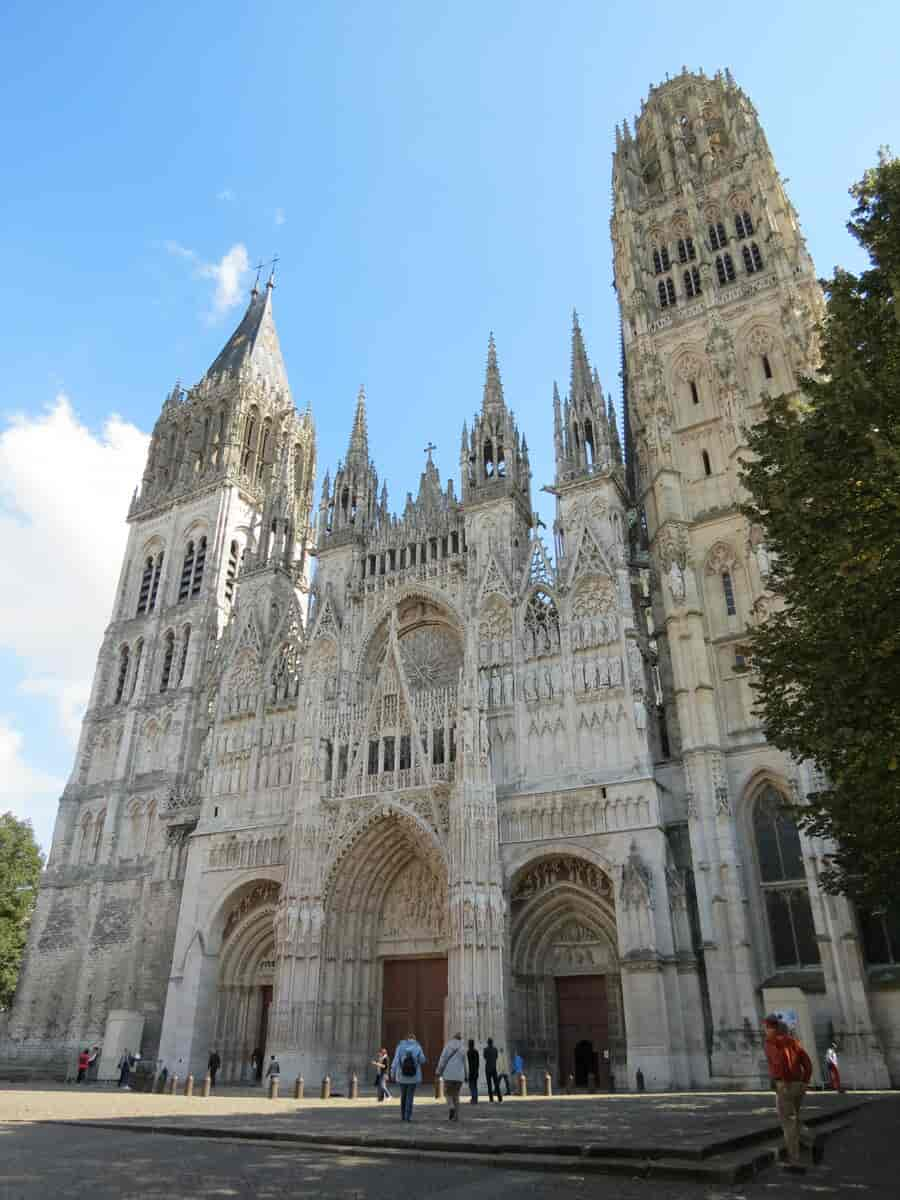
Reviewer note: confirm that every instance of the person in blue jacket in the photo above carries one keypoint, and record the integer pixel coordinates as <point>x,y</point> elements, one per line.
<point>406,1069</point>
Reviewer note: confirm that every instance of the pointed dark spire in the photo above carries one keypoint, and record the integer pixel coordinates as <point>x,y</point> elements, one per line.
<point>254,346</point>
<point>580,384</point>
<point>493,386</point>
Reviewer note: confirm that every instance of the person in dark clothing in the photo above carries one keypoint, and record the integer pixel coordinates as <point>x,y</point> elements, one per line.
<point>213,1067</point>
<point>490,1071</point>
<point>256,1062</point>
<point>472,1063</point>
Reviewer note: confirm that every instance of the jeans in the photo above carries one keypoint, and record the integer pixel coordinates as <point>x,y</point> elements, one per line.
<point>788,1099</point>
<point>493,1085</point>
<point>407,1094</point>
<point>473,1089</point>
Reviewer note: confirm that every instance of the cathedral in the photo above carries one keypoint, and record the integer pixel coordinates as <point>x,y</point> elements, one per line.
<point>348,771</point>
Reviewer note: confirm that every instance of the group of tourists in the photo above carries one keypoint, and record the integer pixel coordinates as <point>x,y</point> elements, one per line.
<point>457,1064</point>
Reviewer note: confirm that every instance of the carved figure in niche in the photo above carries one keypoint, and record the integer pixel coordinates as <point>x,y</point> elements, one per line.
<point>676,581</point>
<point>548,684</point>
<point>640,713</point>
<point>484,741</point>
<point>635,667</point>
<point>615,671</point>
<point>763,561</point>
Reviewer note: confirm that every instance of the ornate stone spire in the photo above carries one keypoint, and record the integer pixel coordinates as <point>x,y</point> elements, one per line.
<point>493,387</point>
<point>358,449</point>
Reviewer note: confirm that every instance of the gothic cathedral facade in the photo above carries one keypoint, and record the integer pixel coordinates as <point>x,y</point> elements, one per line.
<point>347,772</point>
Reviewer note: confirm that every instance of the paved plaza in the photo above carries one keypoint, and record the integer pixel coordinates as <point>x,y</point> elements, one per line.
<point>98,1141</point>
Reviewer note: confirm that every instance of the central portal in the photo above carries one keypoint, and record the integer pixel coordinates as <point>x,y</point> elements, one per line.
<point>414,997</point>
<point>583,1029</point>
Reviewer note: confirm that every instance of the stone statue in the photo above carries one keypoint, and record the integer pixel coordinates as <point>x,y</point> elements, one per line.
<point>763,561</point>
<point>676,581</point>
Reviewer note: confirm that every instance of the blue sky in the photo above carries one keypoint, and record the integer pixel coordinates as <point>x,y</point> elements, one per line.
<point>426,172</point>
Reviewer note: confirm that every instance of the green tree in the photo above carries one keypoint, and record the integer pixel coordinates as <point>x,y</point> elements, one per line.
<point>824,482</point>
<point>20,870</point>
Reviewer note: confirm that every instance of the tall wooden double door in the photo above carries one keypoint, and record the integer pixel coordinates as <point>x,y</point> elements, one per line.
<point>583,1016</point>
<point>414,998</point>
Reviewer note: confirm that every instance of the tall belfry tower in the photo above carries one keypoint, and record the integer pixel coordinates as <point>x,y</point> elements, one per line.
<point>719,303</point>
<point>226,491</point>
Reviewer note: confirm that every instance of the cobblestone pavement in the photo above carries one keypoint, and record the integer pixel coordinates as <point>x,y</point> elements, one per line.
<point>677,1122</point>
<point>38,1161</point>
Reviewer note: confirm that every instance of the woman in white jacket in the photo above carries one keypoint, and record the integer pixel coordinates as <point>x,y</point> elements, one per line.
<point>452,1069</point>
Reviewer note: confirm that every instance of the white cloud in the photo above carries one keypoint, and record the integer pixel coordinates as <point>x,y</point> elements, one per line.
<point>231,273</point>
<point>25,791</point>
<point>64,494</point>
<point>280,218</point>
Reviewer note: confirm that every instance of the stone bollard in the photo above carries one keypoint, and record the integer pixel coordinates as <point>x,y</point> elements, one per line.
<point>570,1085</point>
<point>439,1087</point>
<point>325,1093</point>
<point>173,1084</point>
<point>298,1088</point>
<point>273,1087</point>
<point>523,1084</point>
<point>548,1084</point>
<point>207,1085</point>
<point>592,1083</point>
<point>354,1086</point>
<point>189,1086</point>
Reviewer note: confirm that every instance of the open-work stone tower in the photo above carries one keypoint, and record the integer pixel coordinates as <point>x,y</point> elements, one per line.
<point>349,773</point>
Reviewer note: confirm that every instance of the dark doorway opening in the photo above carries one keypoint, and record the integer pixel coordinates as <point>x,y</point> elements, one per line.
<point>263,1031</point>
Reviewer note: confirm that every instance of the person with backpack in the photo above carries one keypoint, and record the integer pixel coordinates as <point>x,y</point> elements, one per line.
<point>472,1062</point>
<point>489,1054</point>
<point>452,1069</point>
<point>790,1070</point>
<point>406,1069</point>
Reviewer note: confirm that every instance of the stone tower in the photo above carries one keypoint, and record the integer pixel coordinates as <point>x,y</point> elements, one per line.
<point>227,488</point>
<point>719,302</point>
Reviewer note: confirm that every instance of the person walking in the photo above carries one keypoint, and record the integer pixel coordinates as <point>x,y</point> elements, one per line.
<point>503,1070</point>
<point>382,1064</point>
<point>518,1066</point>
<point>84,1061</point>
<point>452,1069</point>
<point>125,1070</point>
<point>489,1054</point>
<point>213,1067</point>
<point>472,1061</point>
<point>256,1064</point>
<point>831,1062</point>
<point>406,1069</point>
<point>790,1070</point>
<point>274,1070</point>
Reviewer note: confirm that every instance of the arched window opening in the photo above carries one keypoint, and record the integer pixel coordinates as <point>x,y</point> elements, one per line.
<point>692,285</point>
<point>657,262</point>
<point>666,291</point>
<point>156,574</point>
<point>187,572</point>
<point>749,265</point>
<point>589,457</point>
<point>231,571</point>
<point>146,582</point>
<point>725,268</point>
<point>345,501</point>
<point>168,655</point>
<point>717,236</point>
<point>880,933</point>
<point>247,456</point>
<point>488,459</point>
<point>686,251</point>
<point>743,225</point>
<point>123,675</point>
<point>767,366</point>
<point>757,257</point>
<point>263,456</point>
<point>695,395</point>
<point>728,592</point>
<point>135,670</point>
<point>783,882</point>
<point>541,624</point>
<point>199,564</point>
<point>353,507</point>
<point>501,461</point>
<point>707,465</point>
<point>670,291</point>
<point>182,663</point>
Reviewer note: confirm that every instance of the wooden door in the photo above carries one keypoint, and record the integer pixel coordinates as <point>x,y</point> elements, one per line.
<point>583,1016</point>
<point>413,998</point>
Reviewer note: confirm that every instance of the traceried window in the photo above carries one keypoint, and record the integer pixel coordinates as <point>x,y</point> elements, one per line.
<point>146,582</point>
<point>666,291</point>
<point>124,654</point>
<point>199,564</point>
<point>249,446</point>
<point>743,225</point>
<point>725,268</point>
<point>728,592</point>
<point>692,283</point>
<point>661,260</point>
<point>757,257</point>
<point>686,251</point>
<point>717,236</point>
<point>880,932</point>
<point>752,258</point>
<point>783,882</point>
<point>157,571</point>
<point>541,624</point>
<point>187,573</point>
<point>168,656</point>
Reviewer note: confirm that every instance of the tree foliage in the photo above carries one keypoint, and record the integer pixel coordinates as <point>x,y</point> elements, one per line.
<point>20,869</point>
<point>825,485</point>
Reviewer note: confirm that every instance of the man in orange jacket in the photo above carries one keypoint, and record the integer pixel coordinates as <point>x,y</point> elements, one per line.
<point>790,1069</point>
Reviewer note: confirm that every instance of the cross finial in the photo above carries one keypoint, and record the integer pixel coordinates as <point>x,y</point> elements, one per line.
<point>271,280</point>
<point>428,449</point>
<point>258,269</point>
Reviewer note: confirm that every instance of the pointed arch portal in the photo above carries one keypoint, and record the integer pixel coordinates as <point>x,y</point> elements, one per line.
<point>567,1014</point>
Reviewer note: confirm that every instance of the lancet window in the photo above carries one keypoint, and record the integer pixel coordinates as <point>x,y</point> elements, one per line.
<point>743,225</point>
<point>185,642</point>
<point>168,656</point>
<point>135,670</point>
<point>752,258</point>
<point>717,236</point>
<point>692,285</point>
<point>725,268</point>
<point>665,289</point>
<point>231,571</point>
<point>686,251</point>
<point>783,883</point>
<point>124,654</point>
